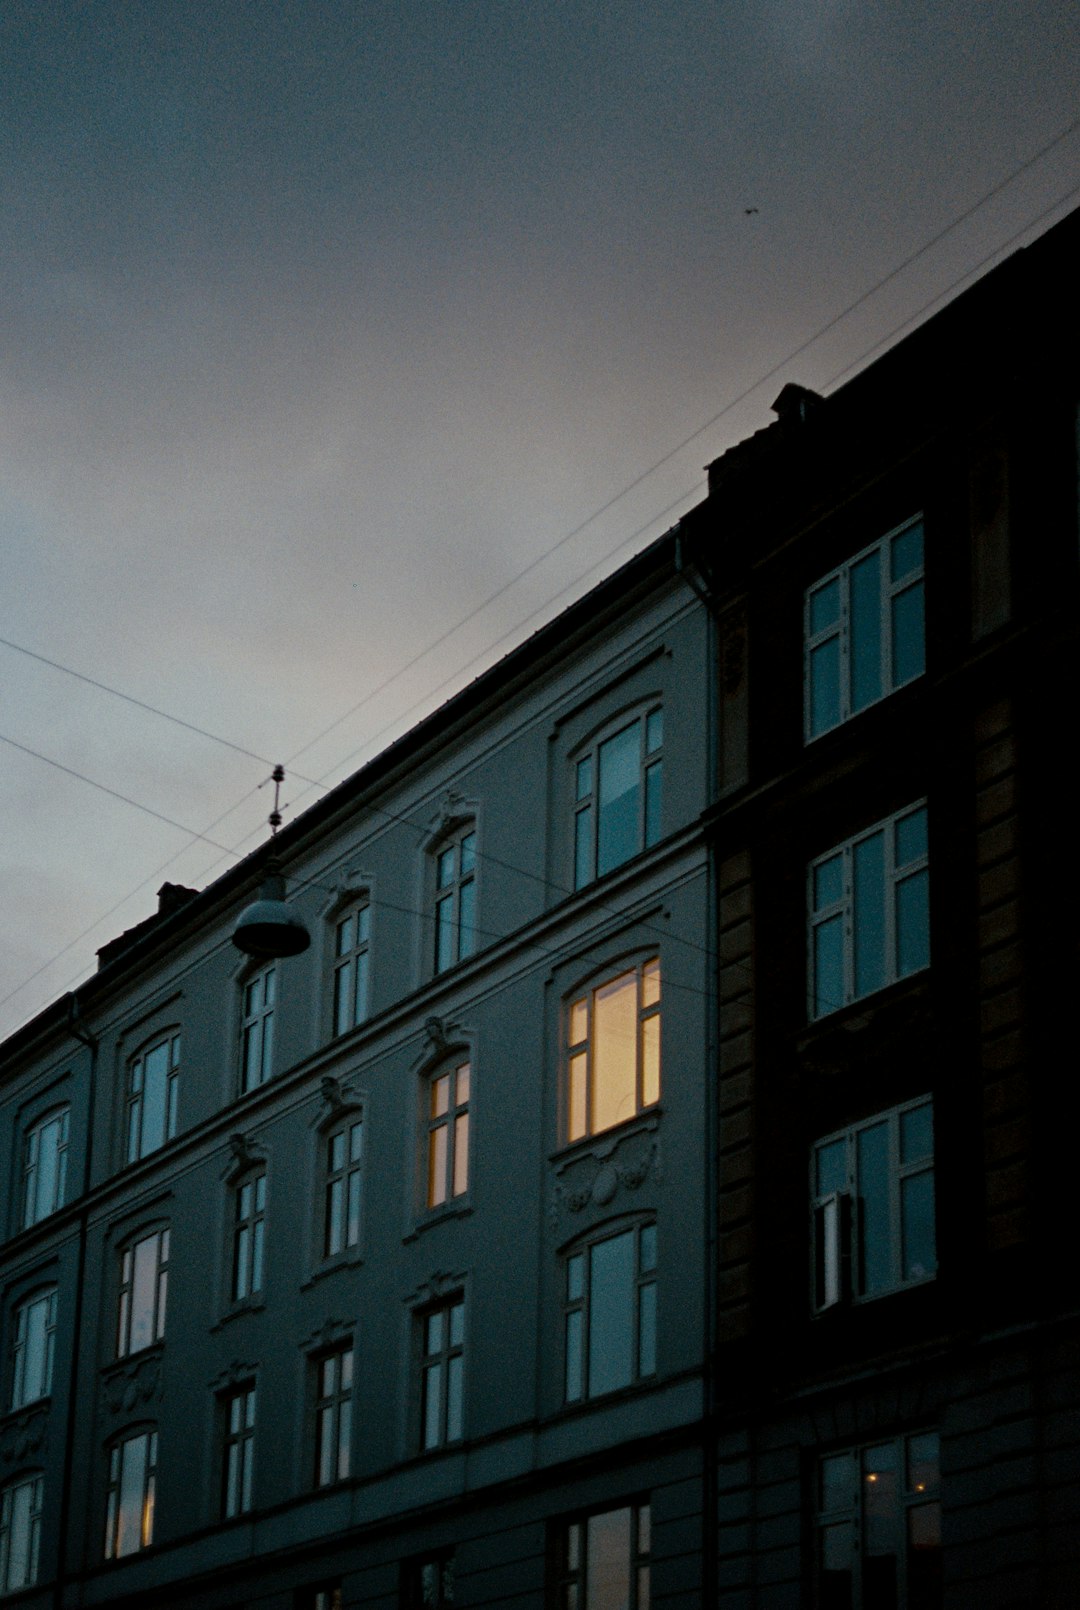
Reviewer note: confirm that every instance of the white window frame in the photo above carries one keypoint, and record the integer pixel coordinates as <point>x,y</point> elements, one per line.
<point>20,1524</point>
<point>580,1299</point>
<point>841,628</point>
<point>343,1181</point>
<point>446,1134</point>
<point>238,1451</point>
<point>586,762</point>
<point>258,1003</point>
<point>837,1229</point>
<point>576,1562</point>
<point>579,1120</point>
<point>139,1143</point>
<point>126,1312</point>
<point>843,908</point>
<point>33,1347</point>
<point>447,893</point>
<point>442,1372</point>
<point>249,1236</point>
<point>118,1488</point>
<point>333,1415</point>
<point>851,1517</point>
<point>34,1175</point>
<point>350,995</point>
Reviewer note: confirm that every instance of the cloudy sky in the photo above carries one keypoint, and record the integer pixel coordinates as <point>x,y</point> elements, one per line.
<point>321,321</point>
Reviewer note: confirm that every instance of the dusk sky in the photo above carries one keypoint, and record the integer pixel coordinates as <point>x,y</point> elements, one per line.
<point>320,322</point>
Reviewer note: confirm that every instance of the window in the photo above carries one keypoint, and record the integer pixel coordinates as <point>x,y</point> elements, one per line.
<point>455,898</point>
<point>879,1526</point>
<point>442,1373</point>
<point>238,1463</point>
<point>45,1167</point>
<point>352,939</point>
<point>344,1154</point>
<point>429,1584</point>
<point>129,1509</point>
<point>869,911</point>
<point>257,1035</point>
<point>618,789</point>
<point>327,1597</point>
<point>249,1229</point>
<point>603,1561</point>
<point>333,1416</point>
<point>20,1533</point>
<point>873,1193</point>
<point>32,1350</point>
<point>611,1313</point>
<point>865,633</point>
<point>144,1280</point>
<point>153,1087</point>
<point>614,1051</point>
<point>448,1135</point>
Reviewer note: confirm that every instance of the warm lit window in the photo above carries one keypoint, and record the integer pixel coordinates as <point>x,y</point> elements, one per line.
<point>603,1561</point>
<point>873,1189</point>
<point>618,789</point>
<point>869,911</point>
<point>865,633</point>
<point>144,1281</point>
<point>442,1334</point>
<point>249,1230</point>
<point>333,1416</point>
<point>44,1167</point>
<point>153,1088</point>
<point>344,1156</point>
<point>20,1533</point>
<point>611,1313</point>
<point>879,1526</point>
<point>448,1135</point>
<point>32,1350</point>
<point>239,1452</point>
<point>613,1054</point>
<point>257,1033</point>
<point>455,898</point>
<point>326,1597</point>
<point>352,940</point>
<point>129,1512</point>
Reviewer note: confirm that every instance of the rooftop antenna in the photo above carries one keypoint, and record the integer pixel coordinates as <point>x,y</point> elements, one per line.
<point>269,928</point>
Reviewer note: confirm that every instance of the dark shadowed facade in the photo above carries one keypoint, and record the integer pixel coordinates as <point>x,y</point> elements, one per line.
<point>651,1187</point>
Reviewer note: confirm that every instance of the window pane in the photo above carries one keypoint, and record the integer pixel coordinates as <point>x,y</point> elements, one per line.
<point>650,982</point>
<point>654,731</point>
<point>577,1113</point>
<point>831,1167</point>
<point>654,787</point>
<point>432,1403</point>
<point>835,1574</point>
<point>907,552</point>
<point>828,966</point>
<point>825,685</point>
<point>913,924</point>
<point>437,1166</point>
<point>865,585</point>
<point>647,1248</point>
<point>467,902</point>
<point>440,1095</point>
<point>615,1052</point>
<point>461,1085</point>
<point>468,853</point>
<point>583,847</point>
<point>461,1154</point>
<point>343,998</point>
<point>868,871</point>
<point>911,837</point>
<point>444,867</point>
<point>647,1329</point>
<point>608,1560</point>
<point>344,936</point>
<point>917,1133</point>
<point>454,1378</point>
<point>612,1280</point>
<point>133,1470</point>
<point>881,1500</point>
<point>873,1172</point>
<point>444,933</point>
<point>573,1356</point>
<point>836,1481</point>
<point>584,778</point>
<point>154,1074</point>
<point>828,882</point>
<point>917,1214</point>
<point>619,764</point>
<point>825,606</point>
<point>909,635</point>
<point>828,1253</point>
<point>650,1058</point>
<point>143,1289</point>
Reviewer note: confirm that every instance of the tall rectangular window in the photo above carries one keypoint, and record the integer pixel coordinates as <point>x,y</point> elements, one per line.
<point>44,1167</point>
<point>613,1054</point>
<point>249,1232</point>
<point>873,1200</point>
<point>448,1134</point>
<point>238,1463</point>
<point>603,1561</point>
<point>352,961</point>
<point>20,1532</point>
<point>442,1373</point>
<point>153,1090</point>
<point>333,1416</point>
<point>32,1353</point>
<point>879,1526</point>
<point>257,1033</point>
<point>455,899</point>
<point>869,911</point>
<point>129,1510</point>
<point>618,794</point>
<point>344,1157</point>
<point>611,1313</point>
<point>865,629</point>
<point>144,1281</point>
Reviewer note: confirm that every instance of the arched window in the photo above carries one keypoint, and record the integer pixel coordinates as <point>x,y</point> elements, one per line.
<point>33,1342</point>
<point>618,785</point>
<point>132,1480</point>
<point>45,1166</point>
<point>153,1090</point>
<point>613,1051</point>
<point>20,1531</point>
<point>144,1281</point>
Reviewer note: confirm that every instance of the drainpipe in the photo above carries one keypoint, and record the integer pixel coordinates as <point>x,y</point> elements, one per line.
<point>78,1030</point>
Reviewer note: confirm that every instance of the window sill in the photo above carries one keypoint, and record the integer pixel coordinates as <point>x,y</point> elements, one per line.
<point>351,1258</point>
<point>460,1208</point>
<point>251,1305</point>
<point>601,1147</point>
